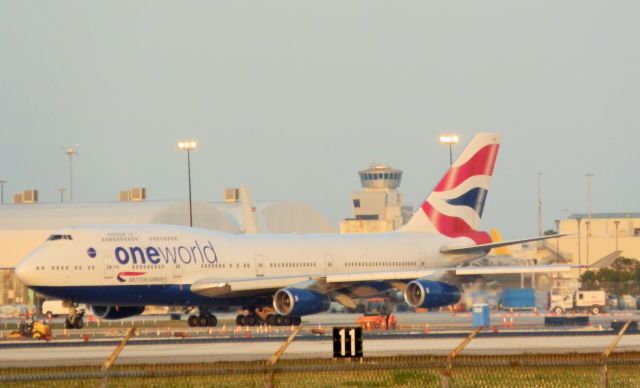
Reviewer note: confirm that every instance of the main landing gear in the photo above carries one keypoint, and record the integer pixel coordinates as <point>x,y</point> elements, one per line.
<point>75,318</point>
<point>205,318</point>
<point>265,315</point>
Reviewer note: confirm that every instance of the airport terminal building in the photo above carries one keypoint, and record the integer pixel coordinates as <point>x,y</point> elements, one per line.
<point>24,226</point>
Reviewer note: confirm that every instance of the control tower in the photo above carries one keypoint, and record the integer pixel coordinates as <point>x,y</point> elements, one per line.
<point>378,207</point>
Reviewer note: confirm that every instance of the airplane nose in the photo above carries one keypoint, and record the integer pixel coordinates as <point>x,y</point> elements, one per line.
<point>22,273</point>
<point>25,270</point>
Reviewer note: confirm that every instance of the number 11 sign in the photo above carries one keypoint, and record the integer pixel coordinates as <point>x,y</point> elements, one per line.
<point>347,342</point>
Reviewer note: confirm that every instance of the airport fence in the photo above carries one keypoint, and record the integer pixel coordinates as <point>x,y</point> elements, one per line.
<point>568,370</point>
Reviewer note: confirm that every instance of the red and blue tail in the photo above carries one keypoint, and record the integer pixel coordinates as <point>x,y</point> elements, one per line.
<point>455,206</point>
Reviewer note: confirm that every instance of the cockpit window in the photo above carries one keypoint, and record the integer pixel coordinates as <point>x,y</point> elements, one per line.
<point>59,237</point>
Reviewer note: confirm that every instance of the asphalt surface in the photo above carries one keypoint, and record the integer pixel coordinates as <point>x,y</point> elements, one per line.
<point>429,333</point>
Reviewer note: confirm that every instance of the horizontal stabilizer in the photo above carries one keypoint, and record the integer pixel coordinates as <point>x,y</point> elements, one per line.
<point>490,246</point>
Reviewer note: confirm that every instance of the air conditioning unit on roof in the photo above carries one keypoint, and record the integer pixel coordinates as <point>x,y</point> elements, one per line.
<point>30,196</point>
<point>138,194</point>
<point>124,196</point>
<point>231,195</point>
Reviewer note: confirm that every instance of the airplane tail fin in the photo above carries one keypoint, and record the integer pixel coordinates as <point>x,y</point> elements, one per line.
<point>455,205</point>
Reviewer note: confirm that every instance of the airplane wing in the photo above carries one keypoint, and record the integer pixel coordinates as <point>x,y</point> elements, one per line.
<point>215,288</point>
<point>212,287</point>
<point>489,246</point>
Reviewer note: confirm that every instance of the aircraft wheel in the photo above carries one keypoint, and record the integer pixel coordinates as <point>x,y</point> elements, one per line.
<point>213,321</point>
<point>192,321</point>
<point>79,323</point>
<point>241,320</point>
<point>203,321</point>
<point>296,321</point>
<point>68,324</point>
<point>250,320</point>
<point>280,320</point>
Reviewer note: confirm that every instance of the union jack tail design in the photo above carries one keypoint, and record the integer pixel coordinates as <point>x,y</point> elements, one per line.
<point>455,206</point>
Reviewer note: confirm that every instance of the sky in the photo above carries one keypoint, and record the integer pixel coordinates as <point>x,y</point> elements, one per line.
<point>292,98</point>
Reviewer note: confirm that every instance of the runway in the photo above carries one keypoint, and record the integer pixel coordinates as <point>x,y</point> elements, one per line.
<point>208,345</point>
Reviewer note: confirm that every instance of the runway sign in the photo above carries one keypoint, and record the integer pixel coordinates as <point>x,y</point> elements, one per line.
<point>347,342</point>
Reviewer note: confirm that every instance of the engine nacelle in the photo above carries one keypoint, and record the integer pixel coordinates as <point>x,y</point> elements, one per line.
<point>430,294</point>
<point>299,302</point>
<point>114,312</point>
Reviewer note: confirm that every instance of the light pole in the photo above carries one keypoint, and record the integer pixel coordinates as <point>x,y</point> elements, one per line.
<point>589,176</point>
<point>62,190</point>
<point>557,241</point>
<point>616,223</point>
<point>70,152</point>
<point>188,146</point>
<point>2,182</point>
<point>579,253</point>
<point>451,140</point>
<point>588,225</point>
<point>539,205</point>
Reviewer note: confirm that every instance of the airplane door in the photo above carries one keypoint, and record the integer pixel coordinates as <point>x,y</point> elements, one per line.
<point>259,262</point>
<point>108,266</point>
<point>328,263</point>
<point>423,260</point>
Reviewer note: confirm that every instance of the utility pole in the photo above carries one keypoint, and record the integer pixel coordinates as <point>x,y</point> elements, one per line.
<point>70,152</point>
<point>579,253</point>
<point>557,241</point>
<point>2,182</point>
<point>539,204</point>
<point>62,190</point>
<point>589,176</point>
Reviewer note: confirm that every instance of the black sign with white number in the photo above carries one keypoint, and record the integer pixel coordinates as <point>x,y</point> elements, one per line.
<point>347,342</point>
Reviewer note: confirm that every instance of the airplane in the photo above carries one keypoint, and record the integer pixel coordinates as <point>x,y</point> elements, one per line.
<point>278,278</point>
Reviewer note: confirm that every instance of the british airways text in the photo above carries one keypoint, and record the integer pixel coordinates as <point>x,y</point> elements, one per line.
<point>155,255</point>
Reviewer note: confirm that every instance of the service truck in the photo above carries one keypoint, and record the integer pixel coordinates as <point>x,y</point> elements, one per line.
<point>577,301</point>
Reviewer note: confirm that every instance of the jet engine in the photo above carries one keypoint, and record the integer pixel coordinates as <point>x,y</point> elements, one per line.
<point>430,294</point>
<point>298,302</point>
<point>115,312</point>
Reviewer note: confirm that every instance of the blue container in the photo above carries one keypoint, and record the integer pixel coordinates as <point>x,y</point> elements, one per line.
<point>481,315</point>
<point>518,298</point>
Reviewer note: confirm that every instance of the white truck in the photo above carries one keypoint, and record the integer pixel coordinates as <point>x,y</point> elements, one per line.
<point>53,308</point>
<point>577,301</point>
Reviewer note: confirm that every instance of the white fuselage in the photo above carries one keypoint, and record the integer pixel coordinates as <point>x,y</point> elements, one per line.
<point>161,255</point>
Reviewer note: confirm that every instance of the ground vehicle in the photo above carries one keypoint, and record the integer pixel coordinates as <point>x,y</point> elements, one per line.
<point>377,315</point>
<point>34,329</point>
<point>54,307</point>
<point>75,319</point>
<point>577,301</point>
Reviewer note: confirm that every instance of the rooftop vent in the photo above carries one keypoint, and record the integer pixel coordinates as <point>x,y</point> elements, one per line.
<point>27,196</point>
<point>136,194</point>
<point>231,195</point>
